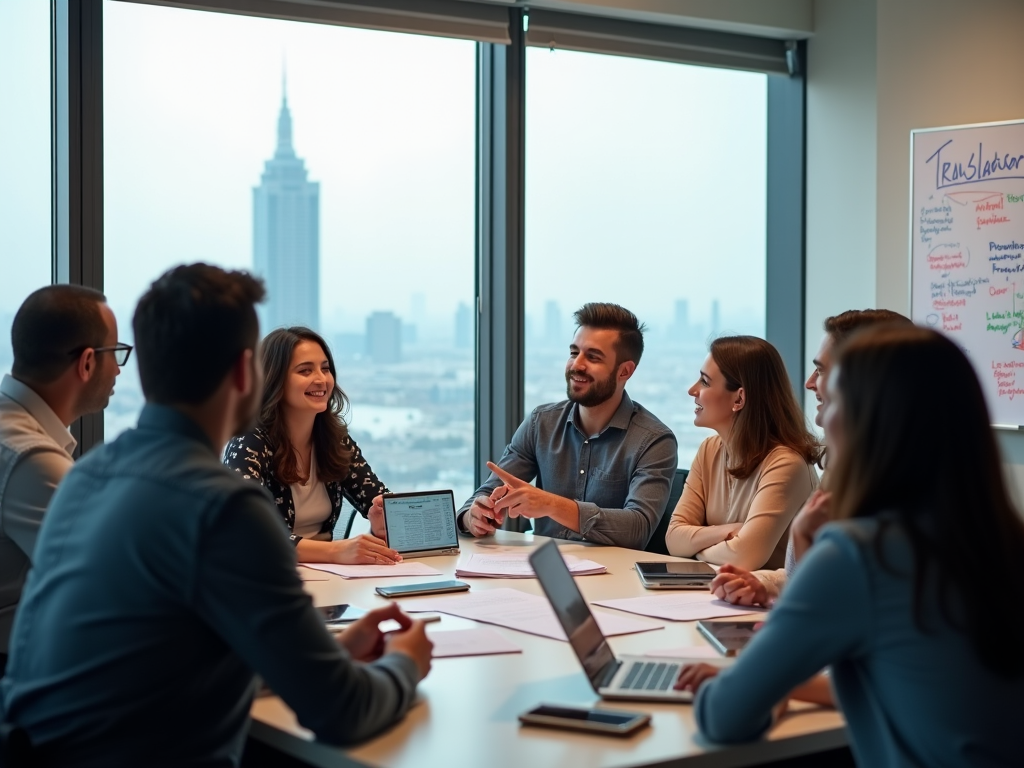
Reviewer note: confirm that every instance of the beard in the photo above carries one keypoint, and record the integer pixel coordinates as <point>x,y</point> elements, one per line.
<point>598,392</point>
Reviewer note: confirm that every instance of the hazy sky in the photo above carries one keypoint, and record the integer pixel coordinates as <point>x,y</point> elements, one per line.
<point>645,180</point>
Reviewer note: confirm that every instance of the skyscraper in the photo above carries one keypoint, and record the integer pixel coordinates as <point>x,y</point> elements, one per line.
<point>384,337</point>
<point>286,234</point>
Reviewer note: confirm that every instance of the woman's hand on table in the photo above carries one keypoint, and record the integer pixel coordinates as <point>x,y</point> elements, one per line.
<point>364,549</point>
<point>739,586</point>
<point>692,676</point>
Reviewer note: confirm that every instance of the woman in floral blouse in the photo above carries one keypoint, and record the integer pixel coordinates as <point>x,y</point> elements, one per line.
<point>302,453</point>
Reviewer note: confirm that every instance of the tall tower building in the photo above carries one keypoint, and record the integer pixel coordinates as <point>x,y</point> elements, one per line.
<point>286,234</point>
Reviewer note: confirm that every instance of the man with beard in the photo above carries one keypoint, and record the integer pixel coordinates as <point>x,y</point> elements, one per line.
<point>603,463</point>
<point>163,582</point>
<point>66,358</point>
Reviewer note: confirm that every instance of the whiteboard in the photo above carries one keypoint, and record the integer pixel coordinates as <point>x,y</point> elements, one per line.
<point>967,251</point>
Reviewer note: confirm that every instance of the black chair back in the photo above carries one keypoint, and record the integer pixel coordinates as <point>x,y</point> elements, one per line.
<point>657,543</point>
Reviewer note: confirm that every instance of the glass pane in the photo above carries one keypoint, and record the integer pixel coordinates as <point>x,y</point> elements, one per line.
<point>25,254</point>
<point>645,186</point>
<point>337,162</point>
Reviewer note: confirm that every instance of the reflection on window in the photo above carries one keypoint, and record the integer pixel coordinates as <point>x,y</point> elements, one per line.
<point>645,186</point>
<point>24,158</point>
<point>336,163</point>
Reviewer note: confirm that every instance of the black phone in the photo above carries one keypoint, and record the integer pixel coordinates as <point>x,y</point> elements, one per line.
<point>616,722</point>
<point>429,588</point>
<point>341,614</point>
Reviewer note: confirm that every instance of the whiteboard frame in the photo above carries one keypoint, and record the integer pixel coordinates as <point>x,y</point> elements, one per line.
<point>910,220</point>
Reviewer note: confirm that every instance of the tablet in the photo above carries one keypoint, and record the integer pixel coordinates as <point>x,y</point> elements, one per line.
<point>675,574</point>
<point>421,524</point>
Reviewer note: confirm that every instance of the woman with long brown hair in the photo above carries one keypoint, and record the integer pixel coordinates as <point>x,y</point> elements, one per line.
<point>925,653</point>
<point>747,481</point>
<point>302,453</point>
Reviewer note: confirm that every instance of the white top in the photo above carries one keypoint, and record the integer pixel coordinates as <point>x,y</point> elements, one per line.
<point>35,454</point>
<point>312,504</point>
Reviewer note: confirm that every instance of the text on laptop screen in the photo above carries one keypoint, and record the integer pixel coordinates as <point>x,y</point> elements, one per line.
<point>418,522</point>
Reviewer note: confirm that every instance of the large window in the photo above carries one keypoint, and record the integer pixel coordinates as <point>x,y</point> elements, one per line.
<point>645,186</point>
<point>25,253</point>
<point>337,163</point>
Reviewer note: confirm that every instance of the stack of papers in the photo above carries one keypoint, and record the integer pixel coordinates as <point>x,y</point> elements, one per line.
<point>677,606</point>
<point>479,641</point>
<point>517,610</point>
<point>516,565</point>
<point>410,568</point>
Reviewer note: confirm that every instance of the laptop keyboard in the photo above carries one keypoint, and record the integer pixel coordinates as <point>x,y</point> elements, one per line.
<point>650,676</point>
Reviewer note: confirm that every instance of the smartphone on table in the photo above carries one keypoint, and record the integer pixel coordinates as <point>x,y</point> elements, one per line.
<point>615,722</point>
<point>429,588</point>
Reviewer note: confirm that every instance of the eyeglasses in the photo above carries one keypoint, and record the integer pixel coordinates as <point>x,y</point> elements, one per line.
<point>121,352</point>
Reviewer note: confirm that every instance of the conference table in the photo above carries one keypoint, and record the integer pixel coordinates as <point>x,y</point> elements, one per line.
<point>467,708</point>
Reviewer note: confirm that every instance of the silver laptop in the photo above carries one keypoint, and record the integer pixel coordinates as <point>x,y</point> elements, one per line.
<point>421,524</point>
<point>635,678</point>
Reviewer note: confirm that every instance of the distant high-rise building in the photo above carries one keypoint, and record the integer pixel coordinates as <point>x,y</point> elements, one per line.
<point>682,320</point>
<point>553,324</point>
<point>716,319</point>
<point>418,307</point>
<point>384,337</point>
<point>286,235</point>
<point>463,326</point>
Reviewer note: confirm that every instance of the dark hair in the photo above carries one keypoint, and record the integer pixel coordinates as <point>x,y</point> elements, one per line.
<point>940,477</point>
<point>841,326</point>
<point>771,416</point>
<point>190,328</point>
<point>51,326</point>
<point>333,455</point>
<point>605,316</point>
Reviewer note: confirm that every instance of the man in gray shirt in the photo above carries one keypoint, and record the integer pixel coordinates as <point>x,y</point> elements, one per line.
<point>163,582</point>
<point>603,463</point>
<point>66,358</point>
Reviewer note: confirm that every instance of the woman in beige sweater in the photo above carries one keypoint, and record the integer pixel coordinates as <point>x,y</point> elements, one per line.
<point>749,480</point>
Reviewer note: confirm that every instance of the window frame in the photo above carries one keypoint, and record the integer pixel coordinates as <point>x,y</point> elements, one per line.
<point>77,189</point>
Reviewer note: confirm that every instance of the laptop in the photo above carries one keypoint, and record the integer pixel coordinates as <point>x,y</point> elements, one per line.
<point>421,524</point>
<point>629,678</point>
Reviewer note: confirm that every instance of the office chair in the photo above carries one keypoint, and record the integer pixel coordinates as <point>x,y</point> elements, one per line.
<point>657,543</point>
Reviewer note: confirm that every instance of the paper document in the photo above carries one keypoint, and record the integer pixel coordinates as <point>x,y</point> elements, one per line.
<point>678,606</point>
<point>516,565</point>
<point>410,568</point>
<point>517,610</point>
<point>480,641</point>
<point>309,575</point>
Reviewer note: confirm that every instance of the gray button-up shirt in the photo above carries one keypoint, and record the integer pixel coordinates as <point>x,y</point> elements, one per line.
<point>620,478</point>
<point>35,454</point>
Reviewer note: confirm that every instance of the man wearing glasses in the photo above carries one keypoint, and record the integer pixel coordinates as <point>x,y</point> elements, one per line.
<point>66,357</point>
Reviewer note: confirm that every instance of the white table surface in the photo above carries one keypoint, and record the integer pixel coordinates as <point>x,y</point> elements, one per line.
<point>466,714</point>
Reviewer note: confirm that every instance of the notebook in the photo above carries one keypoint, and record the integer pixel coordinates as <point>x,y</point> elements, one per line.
<point>630,678</point>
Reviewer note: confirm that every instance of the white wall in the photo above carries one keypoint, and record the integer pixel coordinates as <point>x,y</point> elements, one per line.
<point>876,70</point>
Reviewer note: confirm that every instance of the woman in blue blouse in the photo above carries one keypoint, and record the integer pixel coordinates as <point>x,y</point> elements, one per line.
<point>925,653</point>
<point>302,453</point>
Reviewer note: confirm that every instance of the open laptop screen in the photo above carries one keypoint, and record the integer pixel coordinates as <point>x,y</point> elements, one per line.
<point>421,521</point>
<point>572,611</point>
